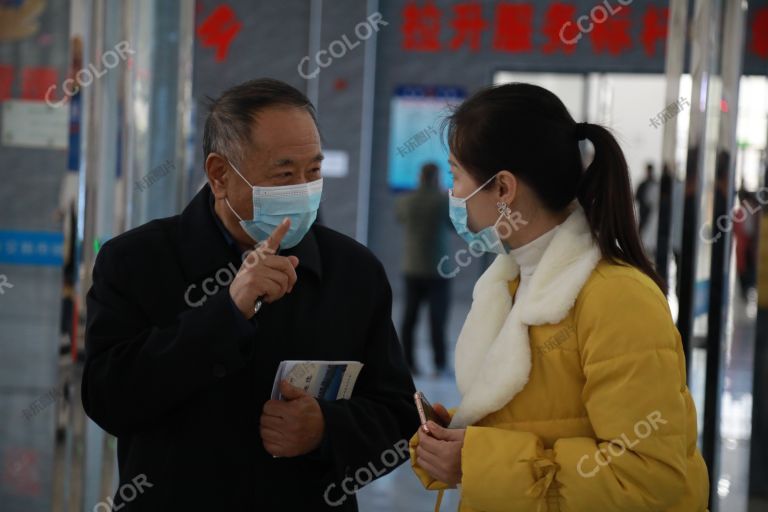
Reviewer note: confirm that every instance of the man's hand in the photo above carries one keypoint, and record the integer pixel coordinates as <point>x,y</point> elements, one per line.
<point>439,452</point>
<point>293,427</point>
<point>263,273</point>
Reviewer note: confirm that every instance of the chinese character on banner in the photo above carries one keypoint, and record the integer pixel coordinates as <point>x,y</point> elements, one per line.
<point>6,81</point>
<point>469,24</point>
<point>612,35</point>
<point>514,27</point>
<point>21,472</point>
<point>36,81</point>
<point>555,20</point>
<point>421,28</point>
<point>759,43</point>
<point>219,29</point>
<point>654,28</point>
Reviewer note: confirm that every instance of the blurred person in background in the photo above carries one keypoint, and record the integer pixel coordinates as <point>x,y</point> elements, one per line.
<point>187,325</point>
<point>423,214</point>
<point>746,233</point>
<point>647,201</point>
<point>570,368</point>
<point>678,213</point>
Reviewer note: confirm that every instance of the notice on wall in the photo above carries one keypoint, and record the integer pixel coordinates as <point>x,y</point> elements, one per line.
<point>416,114</point>
<point>34,124</point>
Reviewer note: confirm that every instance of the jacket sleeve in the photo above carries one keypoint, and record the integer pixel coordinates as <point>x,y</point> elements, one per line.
<point>136,373</point>
<point>634,394</point>
<point>381,415</point>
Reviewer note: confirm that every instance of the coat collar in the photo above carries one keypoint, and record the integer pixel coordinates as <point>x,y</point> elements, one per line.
<point>204,249</point>
<point>493,355</point>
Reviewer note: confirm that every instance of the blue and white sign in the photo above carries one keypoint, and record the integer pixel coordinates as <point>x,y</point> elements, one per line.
<point>31,248</point>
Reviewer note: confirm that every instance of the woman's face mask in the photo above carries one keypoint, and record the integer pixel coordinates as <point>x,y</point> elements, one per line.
<point>272,204</point>
<point>487,239</point>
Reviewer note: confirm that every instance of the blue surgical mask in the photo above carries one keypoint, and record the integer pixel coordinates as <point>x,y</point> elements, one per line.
<point>487,239</point>
<point>272,204</point>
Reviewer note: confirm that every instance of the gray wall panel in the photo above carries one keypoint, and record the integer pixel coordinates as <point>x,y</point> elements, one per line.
<point>29,312</point>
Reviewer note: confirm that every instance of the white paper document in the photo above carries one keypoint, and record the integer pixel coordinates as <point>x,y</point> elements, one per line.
<point>326,380</point>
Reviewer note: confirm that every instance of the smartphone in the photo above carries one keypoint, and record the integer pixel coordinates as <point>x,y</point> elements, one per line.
<point>426,412</point>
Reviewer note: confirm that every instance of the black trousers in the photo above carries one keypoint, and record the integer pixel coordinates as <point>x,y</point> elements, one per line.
<point>434,290</point>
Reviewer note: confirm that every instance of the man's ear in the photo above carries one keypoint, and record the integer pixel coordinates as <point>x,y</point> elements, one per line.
<point>216,168</point>
<point>507,187</point>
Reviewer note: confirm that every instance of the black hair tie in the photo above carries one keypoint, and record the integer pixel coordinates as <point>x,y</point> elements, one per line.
<point>580,131</point>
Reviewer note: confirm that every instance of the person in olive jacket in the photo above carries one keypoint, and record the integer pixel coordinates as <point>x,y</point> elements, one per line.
<point>187,325</point>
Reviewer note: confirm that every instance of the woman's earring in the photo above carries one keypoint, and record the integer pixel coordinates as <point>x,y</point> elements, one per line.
<point>504,209</point>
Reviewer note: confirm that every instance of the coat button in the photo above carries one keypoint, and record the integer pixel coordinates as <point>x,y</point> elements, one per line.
<point>219,370</point>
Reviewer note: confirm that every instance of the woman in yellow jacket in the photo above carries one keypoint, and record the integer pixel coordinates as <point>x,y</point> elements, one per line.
<point>570,368</point>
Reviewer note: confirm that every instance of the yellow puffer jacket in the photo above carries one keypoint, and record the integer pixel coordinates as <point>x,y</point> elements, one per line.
<point>601,419</point>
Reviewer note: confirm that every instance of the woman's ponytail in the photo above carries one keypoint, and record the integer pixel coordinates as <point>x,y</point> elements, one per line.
<point>605,195</point>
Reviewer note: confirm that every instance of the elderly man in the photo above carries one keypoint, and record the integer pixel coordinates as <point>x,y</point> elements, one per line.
<point>187,325</point>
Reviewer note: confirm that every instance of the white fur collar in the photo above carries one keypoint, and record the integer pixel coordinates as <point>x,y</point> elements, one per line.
<point>493,355</point>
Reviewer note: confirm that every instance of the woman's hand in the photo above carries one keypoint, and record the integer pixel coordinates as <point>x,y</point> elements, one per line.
<point>439,452</point>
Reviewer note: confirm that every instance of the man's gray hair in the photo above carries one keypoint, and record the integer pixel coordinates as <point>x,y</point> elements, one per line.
<point>230,117</point>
